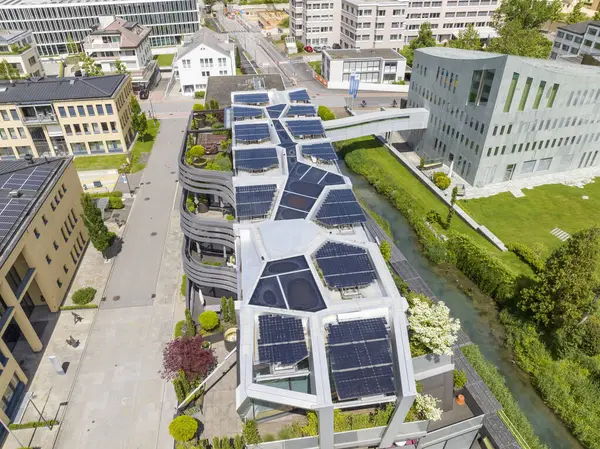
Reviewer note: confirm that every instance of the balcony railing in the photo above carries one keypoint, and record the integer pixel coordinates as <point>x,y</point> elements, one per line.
<point>40,118</point>
<point>205,275</point>
<point>101,45</point>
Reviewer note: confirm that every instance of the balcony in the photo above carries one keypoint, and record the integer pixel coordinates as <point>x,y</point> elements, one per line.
<point>208,270</point>
<point>89,45</point>
<point>206,225</point>
<point>40,119</point>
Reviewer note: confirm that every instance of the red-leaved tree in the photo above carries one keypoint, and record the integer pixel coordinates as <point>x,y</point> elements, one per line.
<point>187,354</point>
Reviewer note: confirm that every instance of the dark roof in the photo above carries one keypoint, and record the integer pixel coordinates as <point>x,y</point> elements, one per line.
<point>220,87</point>
<point>39,178</point>
<point>579,28</point>
<point>57,89</point>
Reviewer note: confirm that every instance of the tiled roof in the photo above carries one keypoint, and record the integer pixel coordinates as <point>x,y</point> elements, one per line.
<point>206,36</point>
<point>579,28</point>
<point>132,33</point>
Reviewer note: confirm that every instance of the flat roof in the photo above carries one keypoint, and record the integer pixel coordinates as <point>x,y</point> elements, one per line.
<point>59,89</point>
<point>34,181</point>
<point>356,53</point>
<point>220,87</point>
<point>9,36</point>
<point>579,28</point>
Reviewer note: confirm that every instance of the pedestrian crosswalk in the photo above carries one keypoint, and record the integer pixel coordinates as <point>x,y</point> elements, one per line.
<point>560,234</point>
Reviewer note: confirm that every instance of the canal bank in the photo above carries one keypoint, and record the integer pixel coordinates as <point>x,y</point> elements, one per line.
<point>477,313</point>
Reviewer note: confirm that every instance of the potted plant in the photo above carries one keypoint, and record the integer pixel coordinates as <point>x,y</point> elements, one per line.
<point>230,338</point>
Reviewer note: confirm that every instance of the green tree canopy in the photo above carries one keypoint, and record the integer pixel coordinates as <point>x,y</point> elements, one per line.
<point>121,67</point>
<point>89,66</point>
<point>596,15</point>
<point>92,219</point>
<point>424,39</point>
<point>468,39</point>
<point>566,287</point>
<point>528,14</point>
<point>516,40</point>
<point>577,14</point>
<point>8,71</point>
<point>140,124</point>
<point>135,105</point>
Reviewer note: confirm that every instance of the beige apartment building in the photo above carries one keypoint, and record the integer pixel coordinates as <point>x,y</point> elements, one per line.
<point>65,116</point>
<point>42,240</point>
<point>18,48</point>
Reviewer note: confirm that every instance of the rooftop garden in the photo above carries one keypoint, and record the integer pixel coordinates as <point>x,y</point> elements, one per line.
<point>16,49</point>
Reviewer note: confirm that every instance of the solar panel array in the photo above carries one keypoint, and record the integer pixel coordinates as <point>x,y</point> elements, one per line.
<point>256,159</point>
<point>281,340</point>
<point>360,358</point>
<point>345,266</point>
<point>305,110</point>
<point>254,201</point>
<point>252,133</point>
<point>10,211</point>
<point>323,151</point>
<point>244,112</point>
<point>275,110</point>
<point>254,98</point>
<point>301,128</point>
<point>299,95</point>
<point>340,208</point>
<point>27,180</point>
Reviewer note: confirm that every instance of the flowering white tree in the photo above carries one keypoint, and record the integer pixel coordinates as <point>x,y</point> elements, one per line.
<point>426,407</point>
<point>432,326</point>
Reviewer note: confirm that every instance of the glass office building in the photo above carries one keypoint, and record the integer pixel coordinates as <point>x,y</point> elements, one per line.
<point>56,23</point>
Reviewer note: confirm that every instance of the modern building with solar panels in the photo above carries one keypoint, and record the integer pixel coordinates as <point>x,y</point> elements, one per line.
<point>42,240</point>
<point>322,326</point>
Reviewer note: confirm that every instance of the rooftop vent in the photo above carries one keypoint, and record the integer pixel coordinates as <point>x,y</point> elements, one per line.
<point>29,159</point>
<point>3,88</point>
<point>14,193</point>
<point>72,82</point>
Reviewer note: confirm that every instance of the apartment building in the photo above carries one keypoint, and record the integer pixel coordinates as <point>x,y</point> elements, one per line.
<point>42,241</point>
<point>207,54</point>
<point>55,23</point>
<point>315,23</point>
<point>496,117</point>
<point>116,39</point>
<point>577,39</point>
<point>65,116</point>
<point>381,66</point>
<point>19,50</point>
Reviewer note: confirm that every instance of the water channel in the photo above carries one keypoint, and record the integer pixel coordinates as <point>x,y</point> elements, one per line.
<point>477,314</point>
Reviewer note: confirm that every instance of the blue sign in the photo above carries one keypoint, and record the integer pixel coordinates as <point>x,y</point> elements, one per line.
<point>354,82</point>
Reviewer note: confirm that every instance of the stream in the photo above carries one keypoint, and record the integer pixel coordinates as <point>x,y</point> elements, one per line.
<point>477,313</point>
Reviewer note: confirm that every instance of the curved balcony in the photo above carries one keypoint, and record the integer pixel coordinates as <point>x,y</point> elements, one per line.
<point>201,270</point>
<point>208,227</point>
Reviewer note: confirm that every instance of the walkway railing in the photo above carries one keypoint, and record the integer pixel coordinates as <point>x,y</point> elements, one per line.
<point>227,362</point>
<point>513,429</point>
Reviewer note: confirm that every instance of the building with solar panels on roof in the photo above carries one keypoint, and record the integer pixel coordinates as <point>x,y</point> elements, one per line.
<point>42,240</point>
<point>322,326</point>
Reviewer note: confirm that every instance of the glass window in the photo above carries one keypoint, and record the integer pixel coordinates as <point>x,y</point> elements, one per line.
<point>14,114</point>
<point>100,109</point>
<point>525,94</point>
<point>90,110</point>
<point>81,111</point>
<point>528,166</point>
<point>61,111</point>
<point>553,93</point>
<point>538,96</point>
<point>109,108</point>
<point>72,111</point>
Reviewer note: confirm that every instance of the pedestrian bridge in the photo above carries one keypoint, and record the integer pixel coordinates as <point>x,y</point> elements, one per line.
<point>378,123</point>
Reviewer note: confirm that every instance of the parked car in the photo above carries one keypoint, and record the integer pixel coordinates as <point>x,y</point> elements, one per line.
<point>308,49</point>
<point>144,94</point>
<point>325,47</point>
<point>318,48</point>
<point>337,46</point>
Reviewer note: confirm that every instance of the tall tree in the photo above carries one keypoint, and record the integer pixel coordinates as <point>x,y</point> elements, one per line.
<point>516,40</point>
<point>121,67</point>
<point>424,39</point>
<point>140,125</point>
<point>72,47</point>
<point>135,105</point>
<point>566,287</point>
<point>92,219</point>
<point>577,14</point>
<point>89,66</point>
<point>468,39</point>
<point>529,14</point>
<point>596,15</point>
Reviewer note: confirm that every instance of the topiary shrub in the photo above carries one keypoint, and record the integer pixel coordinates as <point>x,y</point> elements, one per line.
<point>84,296</point>
<point>198,107</point>
<point>195,154</point>
<point>209,320</point>
<point>199,94</point>
<point>325,113</point>
<point>115,202</point>
<point>441,180</point>
<point>183,428</point>
<point>178,329</point>
<point>460,379</point>
<point>250,432</point>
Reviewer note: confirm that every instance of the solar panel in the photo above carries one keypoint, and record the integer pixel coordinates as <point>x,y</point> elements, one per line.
<point>360,354</point>
<point>343,271</point>
<point>254,98</point>
<point>301,110</point>
<point>299,95</point>
<point>275,110</point>
<point>27,180</point>
<point>254,201</point>
<point>279,329</point>
<point>256,159</point>
<point>10,211</point>
<point>322,151</point>
<point>340,208</point>
<point>244,112</point>
<point>252,133</point>
<point>357,330</point>
<point>364,382</point>
<point>301,128</point>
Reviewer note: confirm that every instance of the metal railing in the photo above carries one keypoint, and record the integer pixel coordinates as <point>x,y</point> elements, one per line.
<point>513,429</point>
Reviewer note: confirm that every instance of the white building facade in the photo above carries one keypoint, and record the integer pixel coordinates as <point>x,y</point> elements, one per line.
<point>208,54</point>
<point>19,50</point>
<point>577,39</point>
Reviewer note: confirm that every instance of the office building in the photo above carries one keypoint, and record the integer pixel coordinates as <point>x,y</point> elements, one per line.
<point>56,24</point>
<point>207,54</point>
<point>42,241</point>
<point>383,66</point>
<point>577,39</point>
<point>496,117</point>
<point>114,40</point>
<point>19,50</point>
<point>65,116</point>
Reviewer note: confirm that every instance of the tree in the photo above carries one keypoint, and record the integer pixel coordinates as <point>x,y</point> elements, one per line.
<point>183,428</point>
<point>140,125</point>
<point>468,39</point>
<point>190,356</point>
<point>426,407</point>
<point>89,66</point>
<point>566,287</point>
<point>135,105</point>
<point>431,325</point>
<point>527,14</point>
<point>577,14</point>
<point>8,71</point>
<point>190,330</point>
<point>386,250</point>
<point>596,15</point>
<point>285,23</point>
<point>325,113</point>
<point>250,432</point>
<point>121,67</point>
<point>92,219</point>
<point>424,39</point>
<point>232,317</point>
<point>72,47</point>
<point>224,309</point>
<point>515,40</point>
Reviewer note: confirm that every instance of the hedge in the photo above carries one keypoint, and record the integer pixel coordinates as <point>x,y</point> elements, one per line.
<point>178,329</point>
<point>527,255</point>
<point>496,383</point>
<point>325,113</point>
<point>183,428</point>
<point>113,194</point>
<point>82,306</point>
<point>209,320</point>
<point>441,180</point>
<point>83,296</point>
<point>33,424</point>
<point>198,107</point>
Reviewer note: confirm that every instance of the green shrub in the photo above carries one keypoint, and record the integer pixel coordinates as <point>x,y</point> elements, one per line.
<point>179,391</point>
<point>178,329</point>
<point>191,325</point>
<point>183,428</point>
<point>460,379</point>
<point>386,250</point>
<point>198,107</point>
<point>230,217</point>
<point>209,320</point>
<point>325,113</point>
<point>441,180</point>
<point>113,194</point>
<point>401,285</point>
<point>527,255</point>
<point>199,94</point>
<point>400,82</point>
<point>184,285</point>
<point>33,424</point>
<point>84,296</point>
<point>115,202</point>
<point>268,437</point>
<point>591,341</point>
<point>250,432</point>
<point>83,306</point>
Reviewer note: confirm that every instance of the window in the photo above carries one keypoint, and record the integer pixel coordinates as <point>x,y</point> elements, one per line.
<point>59,283</point>
<point>544,164</point>
<point>381,13</point>
<point>509,129</point>
<point>14,114</point>
<point>495,130</point>
<point>397,12</point>
<point>109,109</point>
<point>90,110</point>
<point>44,219</point>
<point>81,111</point>
<point>23,150</point>
<point>104,127</point>
<point>36,233</point>
<point>553,93</point>
<point>186,63</point>
<point>569,37</point>
<point>528,167</point>
<point>13,134</point>
<point>72,111</point>
<point>395,24</point>
<point>560,34</point>
<point>65,269</point>
<point>55,245</point>
<point>586,43</point>
<point>48,260</point>
<point>22,133</point>
<point>538,96</point>
<point>77,128</point>
<point>96,128</point>
<point>525,94</point>
<point>61,111</point>
<point>100,109</point>
<point>378,38</point>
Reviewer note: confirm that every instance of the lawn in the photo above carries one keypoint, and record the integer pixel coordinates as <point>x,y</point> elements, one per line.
<point>530,219</point>
<point>165,60</point>
<point>316,65</point>
<point>143,146</point>
<point>423,199</point>
<point>86,163</point>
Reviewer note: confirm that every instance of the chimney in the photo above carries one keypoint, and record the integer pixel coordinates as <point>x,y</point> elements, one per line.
<point>29,159</point>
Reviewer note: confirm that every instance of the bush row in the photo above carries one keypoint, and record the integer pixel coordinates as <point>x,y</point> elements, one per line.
<point>527,255</point>
<point>33,424</point>
<point>83,306</point>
